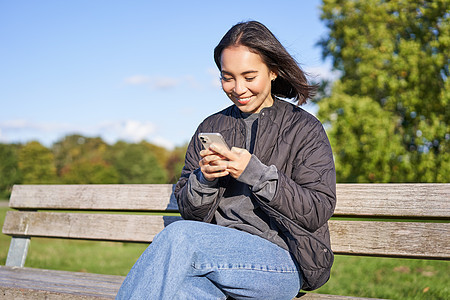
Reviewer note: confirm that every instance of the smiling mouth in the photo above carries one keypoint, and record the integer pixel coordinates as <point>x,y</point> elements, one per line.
<point>243,100</point>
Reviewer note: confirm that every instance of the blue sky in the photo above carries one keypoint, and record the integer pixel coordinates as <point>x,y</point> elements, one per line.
<point>131,70</point>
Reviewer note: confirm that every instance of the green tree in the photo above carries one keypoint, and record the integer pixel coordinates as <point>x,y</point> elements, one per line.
<point>87,172</point>
<point>388,114</point>
<point>161,154</point>
<point>36,164</point>
<point>175,163</point>
<point>74,148</point>
<point>9,169</point>
<point>82,160</point>
<point>135,163</point>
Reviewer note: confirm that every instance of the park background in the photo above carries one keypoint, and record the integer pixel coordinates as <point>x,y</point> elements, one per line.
<point>111,92</point>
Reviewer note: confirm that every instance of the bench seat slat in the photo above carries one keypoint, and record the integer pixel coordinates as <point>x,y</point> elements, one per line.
<point>107,227</point>
<point>127,197</point>
<point>392,200</point>
<point>30,282</point>
<point>404,239</point>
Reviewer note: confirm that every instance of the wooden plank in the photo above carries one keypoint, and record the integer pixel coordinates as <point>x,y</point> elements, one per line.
<point>108,227</point>
<point>402,239</point>
<point>405,200</point>
<point>138,197</point>
<point>30,283</point>
<point>314,296</point>
<point>34,294</point>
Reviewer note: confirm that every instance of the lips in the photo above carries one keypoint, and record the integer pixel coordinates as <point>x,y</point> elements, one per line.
<point>244,100</point>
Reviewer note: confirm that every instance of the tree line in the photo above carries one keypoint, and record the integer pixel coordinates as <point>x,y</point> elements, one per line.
<point>77,159</point>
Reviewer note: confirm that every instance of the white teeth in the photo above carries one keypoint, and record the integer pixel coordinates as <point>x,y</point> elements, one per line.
<point>244,99</point>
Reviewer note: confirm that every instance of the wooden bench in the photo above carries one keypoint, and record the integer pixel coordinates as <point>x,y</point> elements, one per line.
<point>65,211</point>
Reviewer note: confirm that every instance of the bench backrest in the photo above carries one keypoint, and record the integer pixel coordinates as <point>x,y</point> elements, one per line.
<point>397,220</point>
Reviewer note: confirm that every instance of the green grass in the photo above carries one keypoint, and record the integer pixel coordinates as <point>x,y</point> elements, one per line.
<point>355,276</point>
<point>389,278</point>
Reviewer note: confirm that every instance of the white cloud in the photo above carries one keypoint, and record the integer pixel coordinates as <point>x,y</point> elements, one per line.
<point>138,80</point>
<point>193,82</point>
<point>158,83</point>
<point>129,130</point>
<point>160,141</point>
<point>164,82</point>
<point>322,73</point>
<point>2,137</point>
<point>22,131</point>
<point>21,125</point>
<point>215,77</point>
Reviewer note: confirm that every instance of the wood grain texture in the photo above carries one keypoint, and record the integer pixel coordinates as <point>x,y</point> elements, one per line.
<point>137,197</point>
<point>403,200</point>
<point>400,239</point>
<point>29,283</point>
<point>108,227</point>
<point>403,239</point>
<point>314,296</point>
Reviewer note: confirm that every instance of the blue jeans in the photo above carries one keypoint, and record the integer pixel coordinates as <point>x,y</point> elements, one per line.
<point>196,260</point>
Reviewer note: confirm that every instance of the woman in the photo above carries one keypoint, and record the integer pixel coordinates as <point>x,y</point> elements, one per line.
<point>259,211</point>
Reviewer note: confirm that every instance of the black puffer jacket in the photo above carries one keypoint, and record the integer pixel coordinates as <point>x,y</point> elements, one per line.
<point>296,143</point>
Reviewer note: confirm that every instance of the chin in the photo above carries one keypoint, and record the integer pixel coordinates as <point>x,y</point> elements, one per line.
<point>246,110</point>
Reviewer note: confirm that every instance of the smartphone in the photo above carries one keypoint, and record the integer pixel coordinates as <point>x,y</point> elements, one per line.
<point>209,138</point>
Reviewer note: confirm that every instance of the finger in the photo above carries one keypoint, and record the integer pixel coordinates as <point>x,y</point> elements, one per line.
<point>214,171</point>
<point>212,159</point>
<point>212,176</point>
<point>206,152</point>
<point>237,150</point>
<point>227,154</point>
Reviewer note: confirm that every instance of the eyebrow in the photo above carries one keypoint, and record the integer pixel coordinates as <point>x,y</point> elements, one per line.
<point>243,73</point>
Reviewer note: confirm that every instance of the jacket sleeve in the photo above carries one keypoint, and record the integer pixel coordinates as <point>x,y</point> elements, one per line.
<point>308,195</point>
<point>188,198</point>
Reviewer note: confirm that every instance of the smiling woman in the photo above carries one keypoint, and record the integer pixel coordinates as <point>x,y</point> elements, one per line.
<point>256,214</point>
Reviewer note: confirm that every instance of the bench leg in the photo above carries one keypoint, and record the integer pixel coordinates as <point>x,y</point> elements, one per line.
<point>18,250</point>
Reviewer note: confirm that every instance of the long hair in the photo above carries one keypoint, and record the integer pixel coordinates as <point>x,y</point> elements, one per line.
<point>291,81</point>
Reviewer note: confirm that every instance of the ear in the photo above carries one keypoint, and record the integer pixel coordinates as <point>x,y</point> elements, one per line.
<point>273,75</point>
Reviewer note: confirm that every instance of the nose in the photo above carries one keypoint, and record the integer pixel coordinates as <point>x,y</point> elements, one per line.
<point>239,87</point>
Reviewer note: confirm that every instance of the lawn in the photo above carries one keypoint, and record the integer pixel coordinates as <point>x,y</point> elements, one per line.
<point>357,276</point>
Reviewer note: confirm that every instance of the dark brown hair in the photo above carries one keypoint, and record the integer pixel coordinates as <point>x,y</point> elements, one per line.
<point>291,81</point>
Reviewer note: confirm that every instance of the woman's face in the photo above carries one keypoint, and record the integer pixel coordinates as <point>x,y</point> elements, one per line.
<point>246,79</point>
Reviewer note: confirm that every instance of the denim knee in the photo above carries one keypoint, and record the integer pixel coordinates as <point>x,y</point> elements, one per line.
<point>179,232</point>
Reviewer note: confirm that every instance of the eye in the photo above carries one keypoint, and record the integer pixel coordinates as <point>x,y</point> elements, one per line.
<point>250,78</point>
<point>226,79</point>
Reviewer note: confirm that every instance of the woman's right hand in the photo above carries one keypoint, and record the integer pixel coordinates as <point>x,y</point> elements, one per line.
<point>212,164</point>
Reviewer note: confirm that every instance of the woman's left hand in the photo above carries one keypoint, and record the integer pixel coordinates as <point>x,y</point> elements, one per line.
<point>237,159</point>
